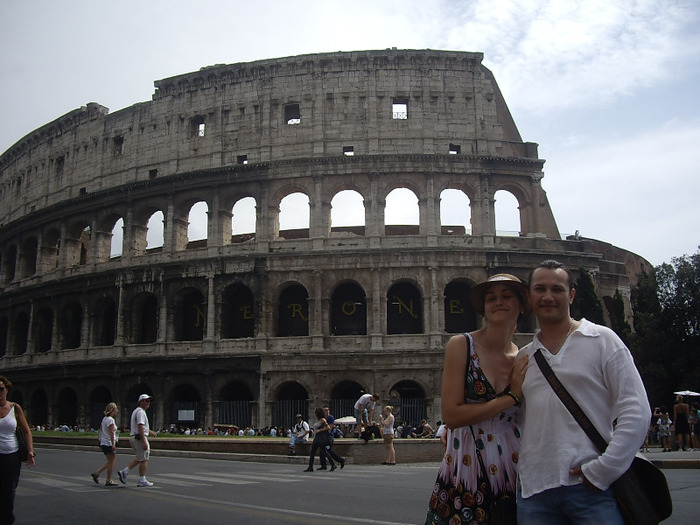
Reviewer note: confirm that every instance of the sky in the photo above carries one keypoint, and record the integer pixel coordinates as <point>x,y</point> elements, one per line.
<point>607,88</point>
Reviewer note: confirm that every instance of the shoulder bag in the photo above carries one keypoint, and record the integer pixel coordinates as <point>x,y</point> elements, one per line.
<point>642,491</point>
<point>21,440</point>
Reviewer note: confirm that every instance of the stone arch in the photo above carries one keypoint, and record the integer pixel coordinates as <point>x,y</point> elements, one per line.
<point>109,236</point>
<point>293,311</point>
<point>43,329</point>
<point>404,309</point>
<point>10,266</point>
<point>516,201</point>
<point>348,212</point>
<point>455,212</point>
<point>116,241</point>
<point>67,407</point>
<point>104,320</point>
<point>402,212</point>
<point>155,231</point>
<point>144,318</point>
<point>294,222</point>
<point>28,258</point>
<point>20,330</point>
<point>38,410</point>
<point>238,311</point>
<point>244,219</point>
<point>460,316</point>
<point>147,228</point>
<point>344,395</point>
<point>4,333</point>
<point>198,224</point>
<point>78,239</point>
<point>71,324</point>
<point>132,396</point>
<point>290,398</point>
<point>190,315</point>
<point>186,405</point>
<point>348,309</point>
<point>408,399</point>
<point>235,405</point>
<point>97,402</point>
<point>50,250</point>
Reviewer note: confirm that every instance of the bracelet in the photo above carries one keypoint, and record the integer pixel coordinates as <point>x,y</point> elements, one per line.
<point>510,393</point>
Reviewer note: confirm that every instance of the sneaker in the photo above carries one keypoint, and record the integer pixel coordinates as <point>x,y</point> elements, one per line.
<point>110,483</point>
<point>144,483</point>
<point>342,463</point>
<point>95,478</point>
<point>310,469</point>
<point>321,468</point>
<point>122,475</point>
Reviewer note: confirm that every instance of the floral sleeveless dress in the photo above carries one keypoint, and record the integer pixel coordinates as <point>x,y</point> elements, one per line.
<point>460,495</point>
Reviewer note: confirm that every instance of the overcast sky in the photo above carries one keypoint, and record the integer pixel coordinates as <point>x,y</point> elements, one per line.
<point>607,88</point>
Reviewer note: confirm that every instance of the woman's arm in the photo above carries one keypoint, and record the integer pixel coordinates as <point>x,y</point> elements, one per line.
<point>455,411</point>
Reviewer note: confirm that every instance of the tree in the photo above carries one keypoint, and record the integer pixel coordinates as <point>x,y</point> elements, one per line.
<point>586,303</point>
<point>616,313</point>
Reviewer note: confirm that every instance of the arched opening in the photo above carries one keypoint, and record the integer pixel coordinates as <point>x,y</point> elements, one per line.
<point>348,213</point>
<point>4,324</point>
<point>294,216</point>
<point>293,312</point>
<point>459,315</point>
<point>507,213</point>
<point>237,312</point>
<point>38,413</point>
<point>144,319</point>
<point>71,325</point>
<point>155,231</point>
<point>344,395</point>
<point>10,263</point>
<point>190,315</point>
<point>98,400</point>
<point>185,409</point>
<point>408,399</point>
<point>404,309</point>
<point>116,245</point>
<point>349,310</point>
<point>52,250</point>
<point>21,333</point>
<point>243,217</point>
<point>29,257</point>
<point>67,408</point>
<point>291,399</point>
<point>197,225</point>
<point>236,405</point>
<point>43,329</point>
<point>455,213</point>
<point>105,319</point>
<point>401,214</point>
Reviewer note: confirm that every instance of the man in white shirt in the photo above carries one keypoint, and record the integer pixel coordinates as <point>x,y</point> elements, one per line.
<point>363,408</point>
<point>138,438</point>
<point>563,477</point>
<point>299,434</point>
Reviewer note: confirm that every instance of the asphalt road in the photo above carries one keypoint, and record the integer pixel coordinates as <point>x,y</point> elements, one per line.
<point>59,490</point>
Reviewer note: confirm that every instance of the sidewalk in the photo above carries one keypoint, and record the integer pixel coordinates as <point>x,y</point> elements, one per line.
<point>673,459</point>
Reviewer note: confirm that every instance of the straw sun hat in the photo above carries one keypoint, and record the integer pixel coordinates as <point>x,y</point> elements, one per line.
<point>477,294</point>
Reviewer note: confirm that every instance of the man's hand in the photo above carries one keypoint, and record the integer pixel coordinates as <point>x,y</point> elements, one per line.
<point>579,472</point>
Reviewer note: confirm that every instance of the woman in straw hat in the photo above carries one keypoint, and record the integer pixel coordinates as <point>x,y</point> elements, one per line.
<point>481,393</point>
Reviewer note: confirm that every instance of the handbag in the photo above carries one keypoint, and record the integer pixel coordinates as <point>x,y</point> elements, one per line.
<point>21,442</point>
<point>642,491</point>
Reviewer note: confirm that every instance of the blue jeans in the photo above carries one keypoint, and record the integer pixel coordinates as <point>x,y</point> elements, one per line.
<point>574,505</point>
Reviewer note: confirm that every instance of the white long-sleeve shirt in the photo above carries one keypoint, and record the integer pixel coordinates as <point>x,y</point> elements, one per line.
<point>597,369</point>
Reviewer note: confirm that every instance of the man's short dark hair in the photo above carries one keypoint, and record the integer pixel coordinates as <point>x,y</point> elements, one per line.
<point>551,264</point>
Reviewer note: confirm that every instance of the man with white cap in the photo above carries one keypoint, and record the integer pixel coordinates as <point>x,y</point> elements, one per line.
<point>138,437</point>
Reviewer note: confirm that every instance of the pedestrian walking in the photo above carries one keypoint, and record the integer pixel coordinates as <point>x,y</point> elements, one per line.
<point>138,438</point>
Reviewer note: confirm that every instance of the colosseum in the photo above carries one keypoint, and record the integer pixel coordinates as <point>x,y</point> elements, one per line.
<point>106,292</point>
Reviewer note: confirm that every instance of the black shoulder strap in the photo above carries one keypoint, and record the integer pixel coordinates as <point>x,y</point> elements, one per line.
<point>569,402</point>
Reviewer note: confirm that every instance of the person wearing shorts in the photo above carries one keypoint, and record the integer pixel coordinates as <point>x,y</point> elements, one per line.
<point>138,438</point>
<point>108,444</point>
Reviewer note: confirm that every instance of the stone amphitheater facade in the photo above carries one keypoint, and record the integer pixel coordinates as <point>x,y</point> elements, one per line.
<point>249,328</point>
